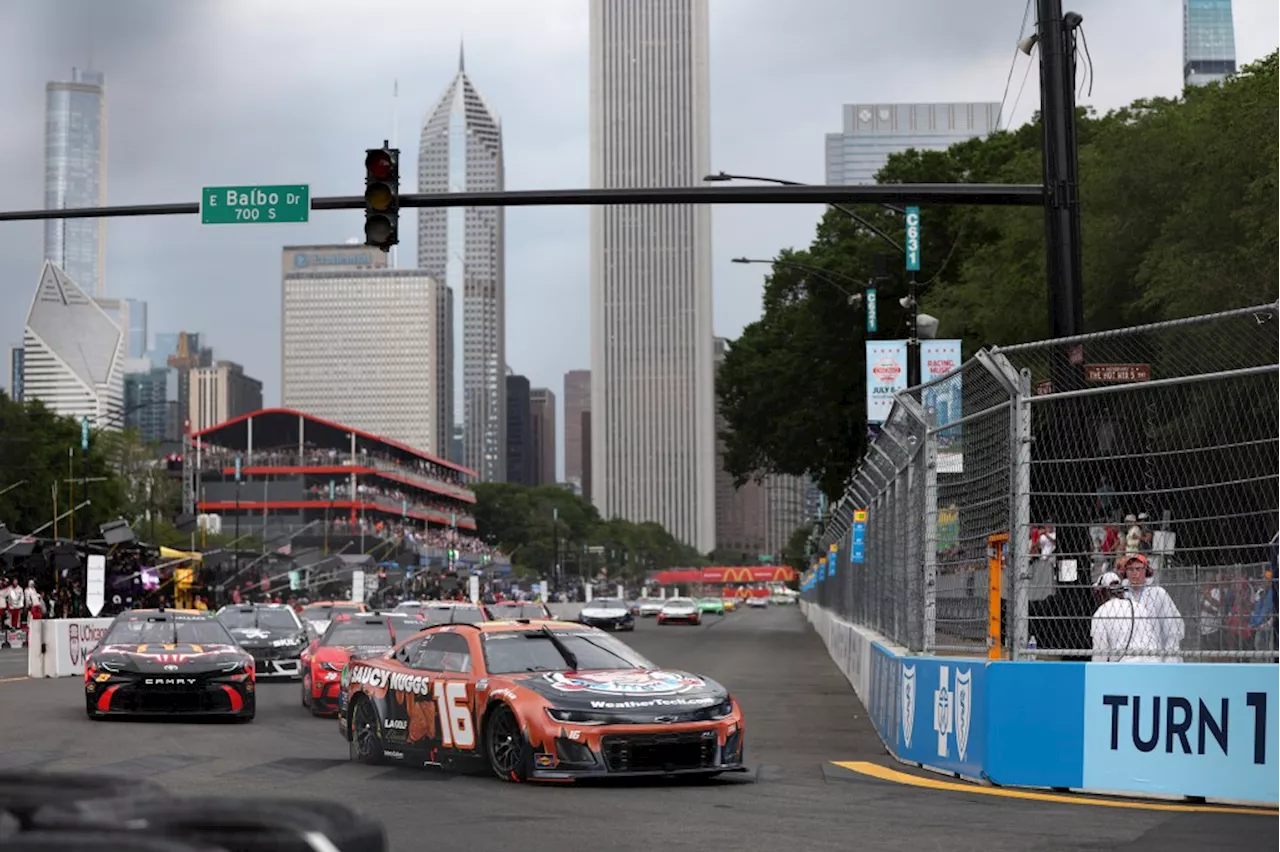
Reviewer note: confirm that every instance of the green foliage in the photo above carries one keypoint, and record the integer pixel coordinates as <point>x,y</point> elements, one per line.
<point>528,524</point>
<point>1179,218</point>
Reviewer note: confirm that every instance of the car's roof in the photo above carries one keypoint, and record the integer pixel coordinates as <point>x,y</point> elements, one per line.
<point>450,604</point>
<point>335,603</point>
<point>510,625</point>
<point>166,611</point>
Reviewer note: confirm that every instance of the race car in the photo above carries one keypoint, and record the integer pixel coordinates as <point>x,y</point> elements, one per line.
<point>159,662</point>
<point>272,633</point>
<point>730,605</point>
<point>713,606</point>
<point>551,701</point>
<point>684,610</point>
<point>517,609</point>
<point>758,602</point>
<point>348,636</point>
<point>650,607</point>
<point>608,614</point>
<point>452,612</point>
<point>319,613</point>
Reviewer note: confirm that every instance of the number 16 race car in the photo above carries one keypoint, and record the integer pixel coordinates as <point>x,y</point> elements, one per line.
<point>549,701</point>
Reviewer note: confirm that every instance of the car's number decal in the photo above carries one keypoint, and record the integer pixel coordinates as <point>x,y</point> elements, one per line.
<point>456,725</point>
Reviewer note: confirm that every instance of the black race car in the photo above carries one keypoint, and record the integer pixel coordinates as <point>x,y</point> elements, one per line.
<point>272,633</point>
<point>160,662</point>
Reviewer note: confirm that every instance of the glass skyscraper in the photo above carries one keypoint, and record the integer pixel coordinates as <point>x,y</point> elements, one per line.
<point>464,248</point>
<point>872,132</point>
<point>75,175</point>
<point>1208,41</point>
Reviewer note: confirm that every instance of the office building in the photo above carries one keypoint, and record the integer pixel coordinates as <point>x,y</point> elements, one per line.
<point>788,510</point>
<point>874,131</point>
<point>221,392</point>
<point>520,447</point>
<point>73,353</point>
<point>131,316</point>
<point>542,406</point>
<point>577,399</point>
<point>586,456</point>
<point>359,342</point>
<point>464,248</point>
<point>741,512</point>
<point>75,175</point>
<point>148,406</point>
<point>189,355</point>
<point>1208,41</point>
<point>15,373</point>
<point>652,389</point>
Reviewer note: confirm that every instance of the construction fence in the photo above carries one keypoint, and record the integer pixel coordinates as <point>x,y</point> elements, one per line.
<point>1111,496</point>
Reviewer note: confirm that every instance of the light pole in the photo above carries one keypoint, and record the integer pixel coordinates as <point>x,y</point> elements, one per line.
<point>826,275</point>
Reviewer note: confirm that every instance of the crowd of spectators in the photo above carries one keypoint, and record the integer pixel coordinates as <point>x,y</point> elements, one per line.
<point>391,498</point>
<point>434,537</point>
<point>315,457</point>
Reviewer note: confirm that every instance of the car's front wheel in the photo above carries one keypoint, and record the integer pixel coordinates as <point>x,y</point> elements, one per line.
<point>365,746</point>
<point>510,755</point>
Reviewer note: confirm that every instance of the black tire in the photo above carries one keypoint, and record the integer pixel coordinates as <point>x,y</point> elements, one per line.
<point>306,693</point>
<point>506,748</point>
<point>71,841</point>
<point>242,824</point>
<point>25,792</point>
<point>364,745</point>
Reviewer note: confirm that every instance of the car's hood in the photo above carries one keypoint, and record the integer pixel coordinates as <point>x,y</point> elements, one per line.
<point>624,689</point>
<point>262,637</point>
<point>682,608</point>
<point>162,659</point>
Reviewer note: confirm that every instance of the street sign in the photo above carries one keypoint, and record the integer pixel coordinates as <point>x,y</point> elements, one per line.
<point>873,323</point>
<point>254,205</point>
<point>1117,372</point>
<point>95,584</point>
<point>913,239</point>
<point>237,468</point>
<point>84,434</point>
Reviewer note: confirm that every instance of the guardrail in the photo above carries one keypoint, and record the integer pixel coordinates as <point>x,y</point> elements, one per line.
<point>1189,730</point>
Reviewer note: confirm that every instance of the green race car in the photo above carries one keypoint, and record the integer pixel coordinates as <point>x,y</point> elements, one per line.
<point>712,605</point>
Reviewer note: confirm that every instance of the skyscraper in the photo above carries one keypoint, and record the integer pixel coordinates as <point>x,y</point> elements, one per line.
<point>542,416</point>
<point>872,132</point>
<point>652,386</point>
<point>1208,41</point>
<point>75,175</point>
<point>461,150</point>
<point>519,431</point>
<point>577,399</point>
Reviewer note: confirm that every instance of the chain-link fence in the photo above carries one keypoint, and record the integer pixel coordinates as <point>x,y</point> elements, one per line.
<point>1111,496</point>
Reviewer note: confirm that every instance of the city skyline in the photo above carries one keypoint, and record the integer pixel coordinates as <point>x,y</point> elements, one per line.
<point>795,61</point>
<point>75,175</point>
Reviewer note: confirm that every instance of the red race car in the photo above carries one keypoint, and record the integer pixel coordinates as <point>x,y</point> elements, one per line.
<point>348,636</point>
<point>546,700</point>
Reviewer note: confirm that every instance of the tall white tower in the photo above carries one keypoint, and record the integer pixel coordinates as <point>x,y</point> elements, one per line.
<point>75,175</point>
<point>461,150</point>
<point>652,378</point>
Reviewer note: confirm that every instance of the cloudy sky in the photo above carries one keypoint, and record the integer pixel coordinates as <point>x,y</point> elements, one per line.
<point>218,92</point>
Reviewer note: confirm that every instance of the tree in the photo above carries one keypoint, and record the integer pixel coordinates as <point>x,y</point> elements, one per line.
<point>1178,198</point>
<point>529,523</point>
<point>39,454</point>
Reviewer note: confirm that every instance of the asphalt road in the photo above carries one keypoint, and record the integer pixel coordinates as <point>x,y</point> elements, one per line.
<point>801,715</point>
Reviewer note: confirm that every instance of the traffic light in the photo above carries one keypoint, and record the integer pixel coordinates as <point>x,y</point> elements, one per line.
<point>382,197</point>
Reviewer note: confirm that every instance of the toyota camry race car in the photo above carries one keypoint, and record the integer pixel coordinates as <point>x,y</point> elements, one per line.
<point>608,614</point>
<point>550,701</point>
<point>319,613</point>
<point>272,633</point>
<point>680,610</point>
<point>162,662</point>
<point>348,636</point>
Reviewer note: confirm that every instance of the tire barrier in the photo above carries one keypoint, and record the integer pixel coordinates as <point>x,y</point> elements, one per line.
<point>103,813</point>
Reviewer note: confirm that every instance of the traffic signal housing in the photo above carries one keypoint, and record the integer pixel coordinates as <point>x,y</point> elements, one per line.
<point>382,197</point>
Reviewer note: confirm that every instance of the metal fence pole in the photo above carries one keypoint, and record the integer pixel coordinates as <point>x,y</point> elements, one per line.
<point>1020,533</point>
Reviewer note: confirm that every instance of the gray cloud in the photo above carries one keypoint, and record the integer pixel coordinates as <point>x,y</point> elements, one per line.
<point>241,91</point>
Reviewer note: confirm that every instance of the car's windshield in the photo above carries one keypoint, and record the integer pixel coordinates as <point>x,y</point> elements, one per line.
<point>452,615</point>
<point>358,634</point>
<point>607,603</point>
<point>168,629</point>
<point>533,651</point>
<point>324,612</point>
<point>679,602</point>
<point>518,610</point>
<point>261,617</point>
<point>408,606</point>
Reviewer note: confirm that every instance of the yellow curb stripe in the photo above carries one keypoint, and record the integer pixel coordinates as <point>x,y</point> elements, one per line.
<point>12,679</point>
<point>884,773</point>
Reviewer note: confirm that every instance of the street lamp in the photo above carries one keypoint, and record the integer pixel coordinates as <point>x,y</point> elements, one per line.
<point>822,274</point>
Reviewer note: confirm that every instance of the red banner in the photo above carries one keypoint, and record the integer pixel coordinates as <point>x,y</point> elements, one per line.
<point>726,575</point>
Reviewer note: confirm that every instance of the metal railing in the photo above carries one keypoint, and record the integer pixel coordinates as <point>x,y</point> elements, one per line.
<point>1005,501</point>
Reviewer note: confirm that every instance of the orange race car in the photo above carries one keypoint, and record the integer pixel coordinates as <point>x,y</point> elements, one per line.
<point>549,701</point>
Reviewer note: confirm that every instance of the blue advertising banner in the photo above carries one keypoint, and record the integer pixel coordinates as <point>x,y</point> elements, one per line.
<point>1187,729</point>
<point>858,544</point>
<point>882,703</point>
<point>832,557</point>
<point>944,401</point>
<point>1036,747</point>
<point>944,714</point>
<point>886,375</point>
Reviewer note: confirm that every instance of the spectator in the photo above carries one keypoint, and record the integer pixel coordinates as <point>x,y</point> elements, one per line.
<point>15,600</point>
<point>1120,626</point>
<point>33,600</point>
<point>1166,625</point>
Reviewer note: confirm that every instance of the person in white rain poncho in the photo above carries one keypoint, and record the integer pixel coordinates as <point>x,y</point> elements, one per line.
<point>1166,621</point>
<point>1121,627</point>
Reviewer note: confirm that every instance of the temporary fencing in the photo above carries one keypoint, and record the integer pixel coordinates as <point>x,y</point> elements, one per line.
<point>1109,496</point>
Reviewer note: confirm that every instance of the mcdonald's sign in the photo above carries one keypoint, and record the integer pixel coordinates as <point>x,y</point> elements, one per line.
<point>749,574</point>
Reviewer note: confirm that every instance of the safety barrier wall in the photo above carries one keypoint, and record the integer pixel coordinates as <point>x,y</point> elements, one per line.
<point>1196,730</point>
<point>56,647</point>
